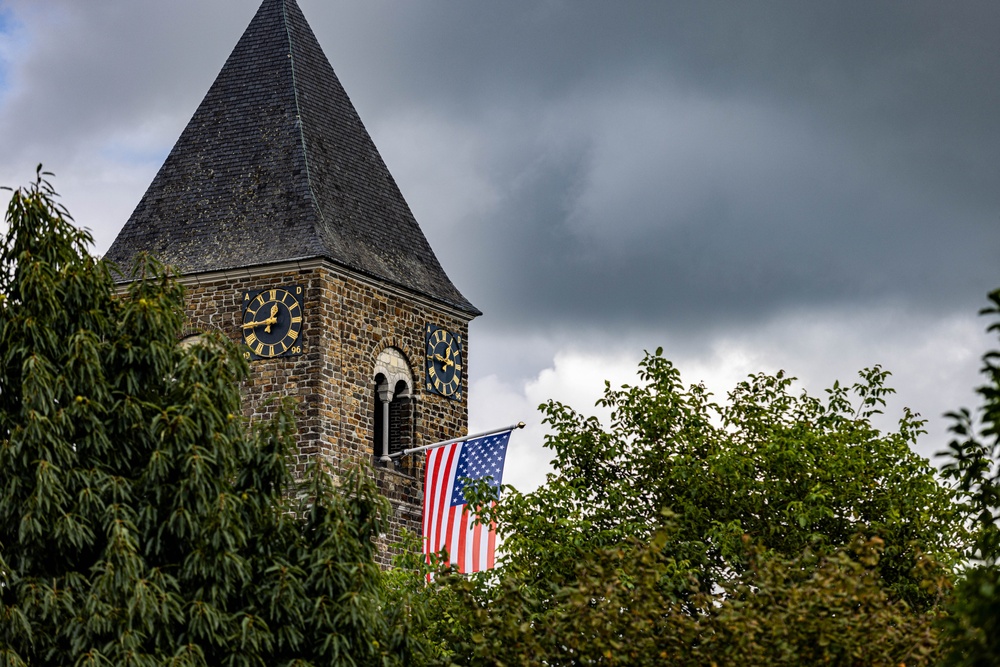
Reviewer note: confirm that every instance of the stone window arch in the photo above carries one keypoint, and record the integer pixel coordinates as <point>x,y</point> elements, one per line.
<point>191,340</point>
<point>393,404</point>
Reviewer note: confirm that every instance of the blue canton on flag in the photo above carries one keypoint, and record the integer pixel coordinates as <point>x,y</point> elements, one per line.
<point>482,458</point>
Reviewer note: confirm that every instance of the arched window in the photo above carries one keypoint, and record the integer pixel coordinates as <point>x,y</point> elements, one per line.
<point>393,405</point>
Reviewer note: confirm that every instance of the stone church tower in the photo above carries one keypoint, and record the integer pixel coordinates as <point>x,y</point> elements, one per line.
<point>293,240</point>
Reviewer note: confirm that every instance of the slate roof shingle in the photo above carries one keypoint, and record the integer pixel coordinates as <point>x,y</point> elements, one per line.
<point>276,165</point>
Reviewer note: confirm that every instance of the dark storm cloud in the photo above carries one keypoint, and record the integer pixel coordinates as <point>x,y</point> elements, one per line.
<point>668,162</point>
<point>742,217</point>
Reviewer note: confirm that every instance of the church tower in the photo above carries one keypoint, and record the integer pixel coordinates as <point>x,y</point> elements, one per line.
<point>293,240</point>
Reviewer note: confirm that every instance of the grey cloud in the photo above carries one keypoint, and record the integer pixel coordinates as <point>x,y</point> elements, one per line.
<point>93,69</point>
<point>708,162</point>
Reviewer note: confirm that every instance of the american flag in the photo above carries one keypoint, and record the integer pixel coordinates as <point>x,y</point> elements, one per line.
<point>448,521</point>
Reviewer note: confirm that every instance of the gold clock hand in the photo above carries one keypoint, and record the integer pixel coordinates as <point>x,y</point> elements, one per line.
<point>269,321</point>
<point>272,319</point>
<point>443,360</point>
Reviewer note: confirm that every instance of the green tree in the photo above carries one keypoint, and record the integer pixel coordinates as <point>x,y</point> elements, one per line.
<point>973,460</point>
<point>141,522</point>
<point>671,529</point>
<point>615,610</point>
<point>790,470</point>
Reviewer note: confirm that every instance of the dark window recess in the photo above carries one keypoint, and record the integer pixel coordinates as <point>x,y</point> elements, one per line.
<point>400,422</point>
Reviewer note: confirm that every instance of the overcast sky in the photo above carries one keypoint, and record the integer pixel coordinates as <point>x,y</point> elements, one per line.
<point>808,186</point>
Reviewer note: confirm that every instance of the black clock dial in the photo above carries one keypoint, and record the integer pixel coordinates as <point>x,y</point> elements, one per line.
<point>272,322</point>
<point>444,362</point>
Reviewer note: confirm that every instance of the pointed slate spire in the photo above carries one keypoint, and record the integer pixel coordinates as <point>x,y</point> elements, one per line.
<point>274,166</point>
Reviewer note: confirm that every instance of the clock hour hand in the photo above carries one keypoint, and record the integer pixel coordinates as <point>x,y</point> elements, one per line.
<point>443,360</point>
<point>269,321</point>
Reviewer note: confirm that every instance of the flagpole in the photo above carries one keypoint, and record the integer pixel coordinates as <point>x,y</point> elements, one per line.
<point>453,441</point>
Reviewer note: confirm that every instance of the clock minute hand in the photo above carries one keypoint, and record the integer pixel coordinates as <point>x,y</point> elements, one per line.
<point>272,319</point>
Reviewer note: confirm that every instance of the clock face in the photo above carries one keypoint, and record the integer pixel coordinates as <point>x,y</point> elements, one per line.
<point>444,362</point>
<point>272,322</point>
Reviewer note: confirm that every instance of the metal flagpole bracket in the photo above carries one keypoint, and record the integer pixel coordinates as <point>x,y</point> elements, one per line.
<point>454,440</point>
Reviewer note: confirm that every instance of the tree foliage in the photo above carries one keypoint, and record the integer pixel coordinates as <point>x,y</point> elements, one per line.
<point>789,470</point>
<point>141,522</point>
<point>973,461</point>
<point>776,528</point>
<point>614,609</point>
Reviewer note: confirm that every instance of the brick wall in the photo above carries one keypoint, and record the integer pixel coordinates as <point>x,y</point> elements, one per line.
<point>348,321</point>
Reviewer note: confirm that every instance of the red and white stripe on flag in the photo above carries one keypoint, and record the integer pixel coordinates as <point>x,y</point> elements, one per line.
<point>448,521</point>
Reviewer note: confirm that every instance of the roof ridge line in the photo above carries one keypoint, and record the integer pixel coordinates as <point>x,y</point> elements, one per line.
<point>298,115</point>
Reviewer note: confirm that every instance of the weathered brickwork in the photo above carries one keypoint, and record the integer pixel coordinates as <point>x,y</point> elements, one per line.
<point>349,321</point>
